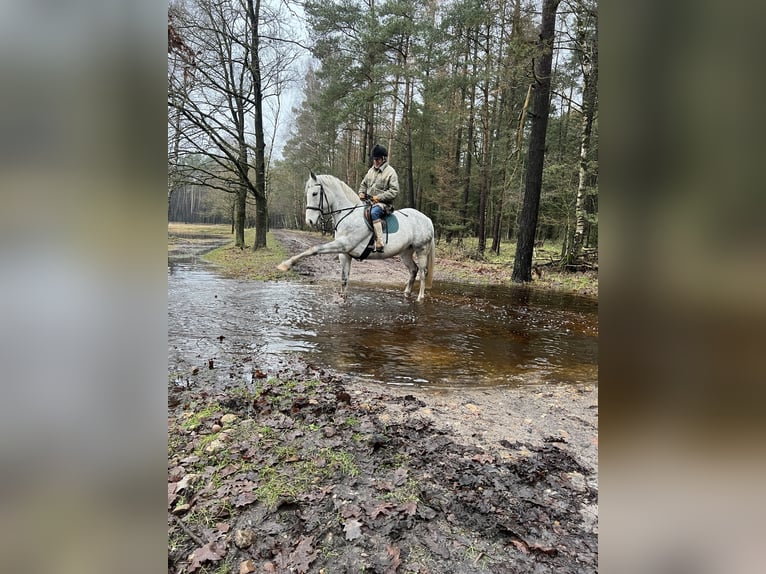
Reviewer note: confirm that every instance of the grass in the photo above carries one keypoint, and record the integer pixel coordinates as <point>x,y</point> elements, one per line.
<point>198,229</point>
<point>408,492</point>
<point>463,262</point>
<point>290,478</point>
<point>195,419</point>
<point>259,265</point>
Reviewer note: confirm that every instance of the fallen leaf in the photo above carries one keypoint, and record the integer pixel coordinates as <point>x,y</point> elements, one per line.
<point>185,481</point>
<point>303,555</point>
<point>176,473</point>
<point>380,508</point>
<point>350,511</point>
<point>400,476</point>
<point>409,507</point>
<point>436,544</point>
<point>393,552</point>
<point>210,552</point>
<point>172,496</point>
<point>549,550</point>
<point>353,529</point>
<point>483,458</point>
<point>245,498</point>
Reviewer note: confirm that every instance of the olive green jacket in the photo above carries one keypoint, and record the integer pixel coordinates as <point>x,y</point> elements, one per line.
<point>383,182</point>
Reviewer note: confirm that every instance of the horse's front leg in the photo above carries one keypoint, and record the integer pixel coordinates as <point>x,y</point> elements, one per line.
<point>337,246</point>
<point>345,271</point>
<point>288,263</point>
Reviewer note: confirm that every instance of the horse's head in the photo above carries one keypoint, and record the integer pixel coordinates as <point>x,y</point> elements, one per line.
<point>315,200</point>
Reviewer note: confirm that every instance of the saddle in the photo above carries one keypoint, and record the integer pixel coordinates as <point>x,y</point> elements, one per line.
<point>389,213</point>
<point>390,225</point>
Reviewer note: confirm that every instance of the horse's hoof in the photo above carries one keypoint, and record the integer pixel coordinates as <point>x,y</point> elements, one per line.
<point>282,267</point>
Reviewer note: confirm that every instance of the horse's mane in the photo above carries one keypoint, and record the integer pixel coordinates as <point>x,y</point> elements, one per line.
<point>352,196</point>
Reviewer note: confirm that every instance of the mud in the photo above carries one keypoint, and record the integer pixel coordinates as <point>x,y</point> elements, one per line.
<point>306,471</point>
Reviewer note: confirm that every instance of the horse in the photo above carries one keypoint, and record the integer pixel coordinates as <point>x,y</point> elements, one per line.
<point>409,233</point>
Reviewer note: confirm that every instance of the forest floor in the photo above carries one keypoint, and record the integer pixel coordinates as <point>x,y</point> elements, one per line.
<point>310,472</point>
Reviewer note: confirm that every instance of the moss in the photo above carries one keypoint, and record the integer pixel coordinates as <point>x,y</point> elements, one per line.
<point>195,419</point>
<point>408,492</point>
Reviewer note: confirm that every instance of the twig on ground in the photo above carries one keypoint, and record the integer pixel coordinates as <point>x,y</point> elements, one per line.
<point>187,530</point>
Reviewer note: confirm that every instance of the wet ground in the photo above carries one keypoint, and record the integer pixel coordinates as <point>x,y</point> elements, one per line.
<point>464,336</point>
<point>284,462</point>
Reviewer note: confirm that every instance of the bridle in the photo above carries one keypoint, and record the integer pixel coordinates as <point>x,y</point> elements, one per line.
<point>325,216</point>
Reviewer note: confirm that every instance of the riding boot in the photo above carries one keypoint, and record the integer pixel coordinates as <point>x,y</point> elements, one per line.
<point>377,226</point>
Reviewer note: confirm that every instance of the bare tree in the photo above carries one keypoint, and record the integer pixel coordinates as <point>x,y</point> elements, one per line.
<point>224,109</point>
<point>522,265</point>
<point>259,189</point>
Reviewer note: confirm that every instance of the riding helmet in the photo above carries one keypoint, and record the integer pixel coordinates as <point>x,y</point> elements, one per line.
<point>379,151</point>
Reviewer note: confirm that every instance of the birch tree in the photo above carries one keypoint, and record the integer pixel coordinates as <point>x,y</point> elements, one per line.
<point>587,40</point>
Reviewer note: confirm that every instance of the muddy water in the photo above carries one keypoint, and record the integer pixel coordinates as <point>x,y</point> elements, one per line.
<point>462,335</point>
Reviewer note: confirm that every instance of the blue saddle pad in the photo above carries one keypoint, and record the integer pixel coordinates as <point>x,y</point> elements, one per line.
<point>392,223</point>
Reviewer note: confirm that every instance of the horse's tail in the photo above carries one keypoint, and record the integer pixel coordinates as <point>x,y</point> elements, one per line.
<point>430,264</point>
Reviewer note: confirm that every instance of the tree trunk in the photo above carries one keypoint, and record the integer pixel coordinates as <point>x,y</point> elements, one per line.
<point>589,57</point>
<point>239,219</point>
<point>469,143</point>
<point>259,189</point>
<point>408,131</point>
<point>522,265</point>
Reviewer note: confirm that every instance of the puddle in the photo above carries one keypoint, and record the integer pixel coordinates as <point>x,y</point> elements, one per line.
<point>463,335</point>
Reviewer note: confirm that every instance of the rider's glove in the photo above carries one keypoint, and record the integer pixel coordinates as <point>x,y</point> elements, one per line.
<point>362,195</point>
<point>375,199</point>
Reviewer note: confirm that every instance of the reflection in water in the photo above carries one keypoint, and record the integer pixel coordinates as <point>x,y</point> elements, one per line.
<point>463,335</point>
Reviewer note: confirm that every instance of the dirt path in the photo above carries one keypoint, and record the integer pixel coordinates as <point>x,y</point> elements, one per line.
<point>327,268</point>
<point>310,472</point>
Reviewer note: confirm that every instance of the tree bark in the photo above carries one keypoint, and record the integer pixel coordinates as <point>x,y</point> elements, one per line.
<point>259,189</point>
<point>522,264</point>
<point>408,131</point>
<point>589,58</point>
<point>470,129</point>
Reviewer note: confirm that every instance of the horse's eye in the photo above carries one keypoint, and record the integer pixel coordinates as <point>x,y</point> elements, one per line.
<point>314,194</point>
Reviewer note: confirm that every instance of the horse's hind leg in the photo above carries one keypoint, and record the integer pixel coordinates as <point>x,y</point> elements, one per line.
<point>413,268</point>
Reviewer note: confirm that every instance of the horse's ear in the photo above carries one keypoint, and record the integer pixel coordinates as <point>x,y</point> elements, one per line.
<point>313,175</point>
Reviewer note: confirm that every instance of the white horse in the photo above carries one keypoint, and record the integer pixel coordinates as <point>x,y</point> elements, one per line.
<point>408,233</point>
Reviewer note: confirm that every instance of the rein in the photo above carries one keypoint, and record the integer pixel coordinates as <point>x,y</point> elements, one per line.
<point>324,215</point>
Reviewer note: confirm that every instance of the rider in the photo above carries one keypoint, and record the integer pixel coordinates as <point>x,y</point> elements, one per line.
<point>381,184</point>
